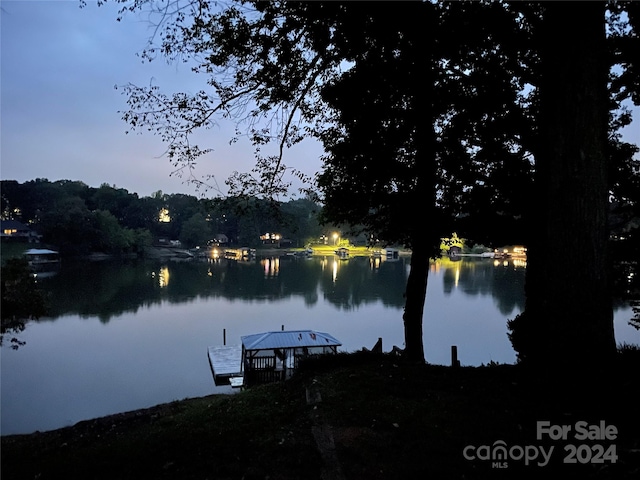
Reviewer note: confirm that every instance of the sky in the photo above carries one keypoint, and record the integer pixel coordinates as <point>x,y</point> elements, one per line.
<point>59,110</point>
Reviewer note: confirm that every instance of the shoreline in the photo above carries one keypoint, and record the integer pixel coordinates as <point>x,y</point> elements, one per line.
<point>369,415</point>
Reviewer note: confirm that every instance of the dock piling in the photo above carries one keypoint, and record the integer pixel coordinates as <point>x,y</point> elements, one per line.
<point>454,356</point>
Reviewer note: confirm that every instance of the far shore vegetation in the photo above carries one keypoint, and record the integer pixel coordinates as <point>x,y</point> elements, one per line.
<point>78,220</point>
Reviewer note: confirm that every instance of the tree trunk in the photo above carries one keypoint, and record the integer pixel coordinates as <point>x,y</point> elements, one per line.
<point>424,191</point>
<point>414,303</point>
<point>567,326</point>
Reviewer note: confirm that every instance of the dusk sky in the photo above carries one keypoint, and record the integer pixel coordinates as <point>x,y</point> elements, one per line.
<point>59,108</point>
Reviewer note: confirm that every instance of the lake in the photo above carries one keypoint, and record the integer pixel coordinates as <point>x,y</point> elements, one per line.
<point>125,335</point>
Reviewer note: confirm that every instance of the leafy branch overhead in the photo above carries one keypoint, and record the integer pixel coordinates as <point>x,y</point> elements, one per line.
<point>263,74</point>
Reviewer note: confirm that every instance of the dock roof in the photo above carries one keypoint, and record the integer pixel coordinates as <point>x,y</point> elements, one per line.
<point>288,339</point>
<point>40,251</point>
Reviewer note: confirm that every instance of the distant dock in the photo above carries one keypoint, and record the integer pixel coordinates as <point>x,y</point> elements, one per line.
<point>225,363</point>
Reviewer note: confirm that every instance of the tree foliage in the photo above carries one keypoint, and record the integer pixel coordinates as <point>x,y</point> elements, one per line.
<point>196,231</point>
<point>435,127</point>
<point>264,68</point>
<point>79,219</point>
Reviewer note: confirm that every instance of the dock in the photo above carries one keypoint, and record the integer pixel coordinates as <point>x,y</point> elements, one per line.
<point>225,363</point>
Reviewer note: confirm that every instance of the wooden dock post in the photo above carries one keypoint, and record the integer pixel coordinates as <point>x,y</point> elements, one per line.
<point>454,356</point>
<point>224,336</point>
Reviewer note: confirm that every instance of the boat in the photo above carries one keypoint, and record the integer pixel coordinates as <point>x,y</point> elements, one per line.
<point>342,252</point>
<point>42,259</point>
<point>42,262</point>
<point>391,253</point>
<point>242,253</point>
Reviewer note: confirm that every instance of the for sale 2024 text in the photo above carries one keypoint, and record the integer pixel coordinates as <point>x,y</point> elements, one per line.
<point>583,446</point>
<point>582,431</point>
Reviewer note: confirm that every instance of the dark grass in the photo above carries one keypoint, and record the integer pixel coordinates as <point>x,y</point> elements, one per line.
<point>389,420</point>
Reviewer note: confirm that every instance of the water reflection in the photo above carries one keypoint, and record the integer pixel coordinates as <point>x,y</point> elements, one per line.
<point>271,266</point>
<point>160,316</point>
<point>109,289</point>
<point>503,280</point>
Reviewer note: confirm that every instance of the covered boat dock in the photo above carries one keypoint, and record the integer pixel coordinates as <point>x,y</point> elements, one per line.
<point>273,356</point>
<point>270,356</point>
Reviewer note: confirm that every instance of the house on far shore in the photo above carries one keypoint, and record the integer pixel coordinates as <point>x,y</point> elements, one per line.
<point>272,239</point>
<point>14,230</point>
<point>221,239</point>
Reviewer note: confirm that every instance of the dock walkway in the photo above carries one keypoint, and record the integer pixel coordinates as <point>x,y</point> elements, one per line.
<point>225,363</point>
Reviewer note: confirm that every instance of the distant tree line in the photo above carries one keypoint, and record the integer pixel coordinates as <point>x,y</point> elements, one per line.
<point>77,218</point>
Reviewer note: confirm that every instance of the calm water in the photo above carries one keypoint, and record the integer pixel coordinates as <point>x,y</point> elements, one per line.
<point>129,335</point>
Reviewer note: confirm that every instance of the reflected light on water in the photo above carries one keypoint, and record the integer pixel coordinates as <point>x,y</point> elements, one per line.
<point>516,262</point>
<point>271,266</point>
<point>334,271</point>
<point>163,277</point>
<point>519,263</point>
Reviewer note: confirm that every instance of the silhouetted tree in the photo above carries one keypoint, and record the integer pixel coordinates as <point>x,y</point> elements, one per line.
<point>429,106</point>
<point>195,231</point>
<point>21,300</point>
<point>433,126</point>
<point>427,83</point>
<point>567,325</point>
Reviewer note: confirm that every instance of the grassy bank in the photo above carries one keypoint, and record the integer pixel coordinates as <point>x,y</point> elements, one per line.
<point>358,416</point>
